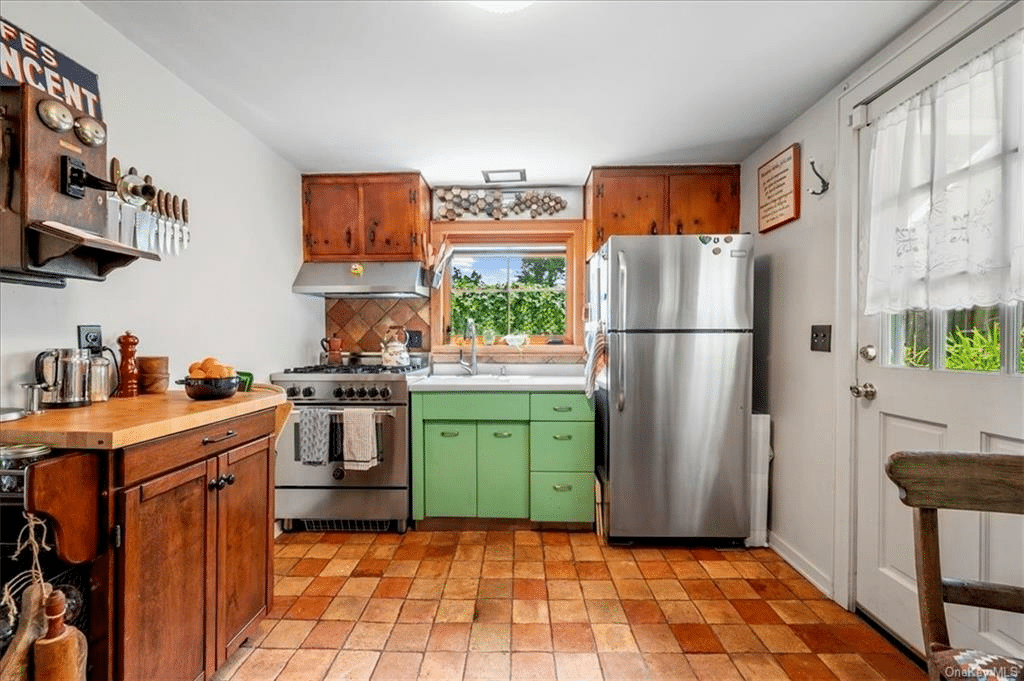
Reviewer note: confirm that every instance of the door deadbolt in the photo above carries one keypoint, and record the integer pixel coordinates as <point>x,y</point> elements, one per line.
<point>868,352</point>
<point>867,391</point>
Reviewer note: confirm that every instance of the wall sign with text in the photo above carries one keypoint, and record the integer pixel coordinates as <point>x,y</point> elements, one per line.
<point>778,189</point>
<point>26,59</point>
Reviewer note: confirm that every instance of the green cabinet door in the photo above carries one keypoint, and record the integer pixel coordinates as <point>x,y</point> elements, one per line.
<point>503,469</point>
<point>562,497</point>
<point>449,454</point>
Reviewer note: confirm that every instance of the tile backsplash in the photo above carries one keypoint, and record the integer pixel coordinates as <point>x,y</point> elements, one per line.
<point>362,323</point>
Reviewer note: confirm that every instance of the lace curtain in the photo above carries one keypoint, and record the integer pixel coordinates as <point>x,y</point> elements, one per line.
<point>946,226</point>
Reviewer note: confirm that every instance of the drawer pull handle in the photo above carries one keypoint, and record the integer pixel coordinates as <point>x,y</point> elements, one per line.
<point>564,436</point>
<point>562,488</point>
<point>449,433</point>
<point>226,436</point>
<point>562,409</point>
<point>503,434</point>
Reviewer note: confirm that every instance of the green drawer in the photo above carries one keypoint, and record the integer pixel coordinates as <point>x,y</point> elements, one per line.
<point>561,407</point>
<point>476,406</point>
<point>562,446</point>
<point>562,497</point>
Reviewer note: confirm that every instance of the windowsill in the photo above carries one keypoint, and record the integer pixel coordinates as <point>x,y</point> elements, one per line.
<point>505,353</point>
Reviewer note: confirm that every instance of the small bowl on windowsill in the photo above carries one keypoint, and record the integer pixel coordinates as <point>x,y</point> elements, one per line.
<point>517,340</point>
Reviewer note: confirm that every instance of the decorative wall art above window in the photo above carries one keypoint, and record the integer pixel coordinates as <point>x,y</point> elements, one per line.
<point>453,203</point>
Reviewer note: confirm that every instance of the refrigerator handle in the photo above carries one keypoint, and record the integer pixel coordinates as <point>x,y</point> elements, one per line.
<point>623,275</point>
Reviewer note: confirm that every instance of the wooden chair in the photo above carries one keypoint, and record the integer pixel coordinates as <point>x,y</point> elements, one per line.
<point>968,481</point>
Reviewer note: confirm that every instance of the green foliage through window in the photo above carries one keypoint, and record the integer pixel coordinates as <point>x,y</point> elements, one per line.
<point>510,294</point>
<point>970,350</point>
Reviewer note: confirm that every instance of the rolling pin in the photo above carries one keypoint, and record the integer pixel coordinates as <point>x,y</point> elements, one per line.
<point>60,655</point>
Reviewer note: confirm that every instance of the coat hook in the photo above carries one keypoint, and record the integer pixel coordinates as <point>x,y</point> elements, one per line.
<point>824,182</point>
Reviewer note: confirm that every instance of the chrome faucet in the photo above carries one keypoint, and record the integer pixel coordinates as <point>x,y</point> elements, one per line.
<point>471,365</point>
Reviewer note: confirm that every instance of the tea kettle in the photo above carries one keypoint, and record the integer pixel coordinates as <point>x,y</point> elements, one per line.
<point>394,352</point>
<point>63,374</point>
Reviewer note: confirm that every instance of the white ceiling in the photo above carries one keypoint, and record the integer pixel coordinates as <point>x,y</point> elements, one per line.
<point>450,89</point>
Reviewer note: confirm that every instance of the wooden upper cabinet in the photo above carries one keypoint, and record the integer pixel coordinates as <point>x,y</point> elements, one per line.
<point>331,219</point>
<point>704,203</point>
<point>365,217</point>
<point>660,200</point>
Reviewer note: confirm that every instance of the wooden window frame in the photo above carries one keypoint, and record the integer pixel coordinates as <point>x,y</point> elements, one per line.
<point>567,233</point>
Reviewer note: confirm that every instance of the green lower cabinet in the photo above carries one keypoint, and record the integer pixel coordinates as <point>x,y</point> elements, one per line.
<point>502,470</point>
<point>450,476</point>
<point>562,497</point>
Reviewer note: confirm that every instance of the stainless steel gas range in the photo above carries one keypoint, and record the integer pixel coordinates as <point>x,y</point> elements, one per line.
<point>328,497</point>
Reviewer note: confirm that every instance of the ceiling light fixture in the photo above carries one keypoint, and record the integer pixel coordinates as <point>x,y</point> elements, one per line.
<point>496,176</point>
<point>500,7</point>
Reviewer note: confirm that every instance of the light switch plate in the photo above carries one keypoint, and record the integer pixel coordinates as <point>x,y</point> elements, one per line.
<point>821,338</point>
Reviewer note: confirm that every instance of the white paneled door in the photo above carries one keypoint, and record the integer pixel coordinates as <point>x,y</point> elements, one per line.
<point>922,400</point>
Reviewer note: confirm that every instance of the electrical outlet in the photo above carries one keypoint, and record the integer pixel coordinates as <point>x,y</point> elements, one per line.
<point>90,337</point>
<point>821,338</point>
<point>415,339</point>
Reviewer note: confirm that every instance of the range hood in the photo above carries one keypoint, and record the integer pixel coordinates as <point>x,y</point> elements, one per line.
<point>362,280</point>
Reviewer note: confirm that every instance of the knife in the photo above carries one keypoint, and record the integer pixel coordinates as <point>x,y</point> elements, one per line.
<point>186,233</point>
<point>168,222</point>
<point>176,231</point>
<point>114,203</point>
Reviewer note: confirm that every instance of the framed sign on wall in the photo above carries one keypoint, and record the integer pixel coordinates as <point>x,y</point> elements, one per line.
<point>778,189</point>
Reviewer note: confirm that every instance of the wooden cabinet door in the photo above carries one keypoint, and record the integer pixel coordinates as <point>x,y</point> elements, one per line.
<point>390,217</point>
<point>330,218</point>
<point>244,520</point>
<point>704,203</point>
<point>449,457</point>
<point>166,599</point>
<point>629,205</point>
<point>503,470</point>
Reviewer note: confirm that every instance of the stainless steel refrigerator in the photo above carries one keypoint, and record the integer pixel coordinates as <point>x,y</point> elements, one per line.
<point>673,407</point>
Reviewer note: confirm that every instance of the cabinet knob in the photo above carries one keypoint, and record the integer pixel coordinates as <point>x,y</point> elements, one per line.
<point>228,479</point>
<point>216,483</point>
<point>654,226</point>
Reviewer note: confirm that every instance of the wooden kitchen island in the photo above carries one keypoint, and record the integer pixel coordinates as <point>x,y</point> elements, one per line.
<point>169,501</point>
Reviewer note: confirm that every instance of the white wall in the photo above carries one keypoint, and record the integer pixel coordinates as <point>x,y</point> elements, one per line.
<point>229,295</point>
<point>795,266</point>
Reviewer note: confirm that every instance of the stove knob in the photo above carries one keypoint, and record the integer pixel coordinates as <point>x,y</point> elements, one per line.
<point>292,391</point>
<point>373,391</point>
<point>339,392</point>
<point>361,392</point>
<point>385,392</point>
<point>308,391</point>
<point>350,392</point>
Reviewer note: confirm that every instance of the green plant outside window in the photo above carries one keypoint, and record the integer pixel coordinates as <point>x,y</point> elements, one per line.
<point>509,293</point>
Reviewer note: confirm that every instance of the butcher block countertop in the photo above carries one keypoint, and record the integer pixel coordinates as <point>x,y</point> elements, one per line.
<point>121,422</point>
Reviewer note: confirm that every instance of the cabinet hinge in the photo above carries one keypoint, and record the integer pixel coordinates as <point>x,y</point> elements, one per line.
<point>412,196</point>
<point>600,190</point>
<point>307,197</point>
<point>116,536</point>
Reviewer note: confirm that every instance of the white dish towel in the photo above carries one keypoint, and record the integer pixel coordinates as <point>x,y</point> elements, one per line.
<point>360,446</point>
<point>314,436</point>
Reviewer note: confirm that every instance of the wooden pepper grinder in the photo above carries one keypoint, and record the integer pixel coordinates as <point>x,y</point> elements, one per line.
<point>129,369</point>
<point>60,654</point>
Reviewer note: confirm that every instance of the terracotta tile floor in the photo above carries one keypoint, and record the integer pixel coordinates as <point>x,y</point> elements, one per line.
<point>548,605</point>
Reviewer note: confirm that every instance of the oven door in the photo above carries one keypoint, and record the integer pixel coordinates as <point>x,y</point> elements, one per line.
<point>392,447</point>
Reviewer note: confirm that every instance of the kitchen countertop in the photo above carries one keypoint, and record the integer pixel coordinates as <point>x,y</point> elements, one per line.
<point>489,382</point>
<point>121,422</point>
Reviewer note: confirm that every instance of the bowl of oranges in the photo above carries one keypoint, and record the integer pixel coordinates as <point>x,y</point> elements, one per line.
<point>209,379</point>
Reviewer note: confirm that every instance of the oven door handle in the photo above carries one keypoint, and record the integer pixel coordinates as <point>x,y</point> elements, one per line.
<point>338,412</point>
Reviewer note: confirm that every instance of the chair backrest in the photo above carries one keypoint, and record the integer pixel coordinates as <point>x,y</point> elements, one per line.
<point>970,481</point>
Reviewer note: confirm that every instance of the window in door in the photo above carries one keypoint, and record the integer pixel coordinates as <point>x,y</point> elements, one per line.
<point>507,290</point>
<point>971,339</point>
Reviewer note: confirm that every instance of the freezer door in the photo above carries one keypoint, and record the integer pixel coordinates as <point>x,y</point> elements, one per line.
<point>678,431</point>
<point>680,282</point>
